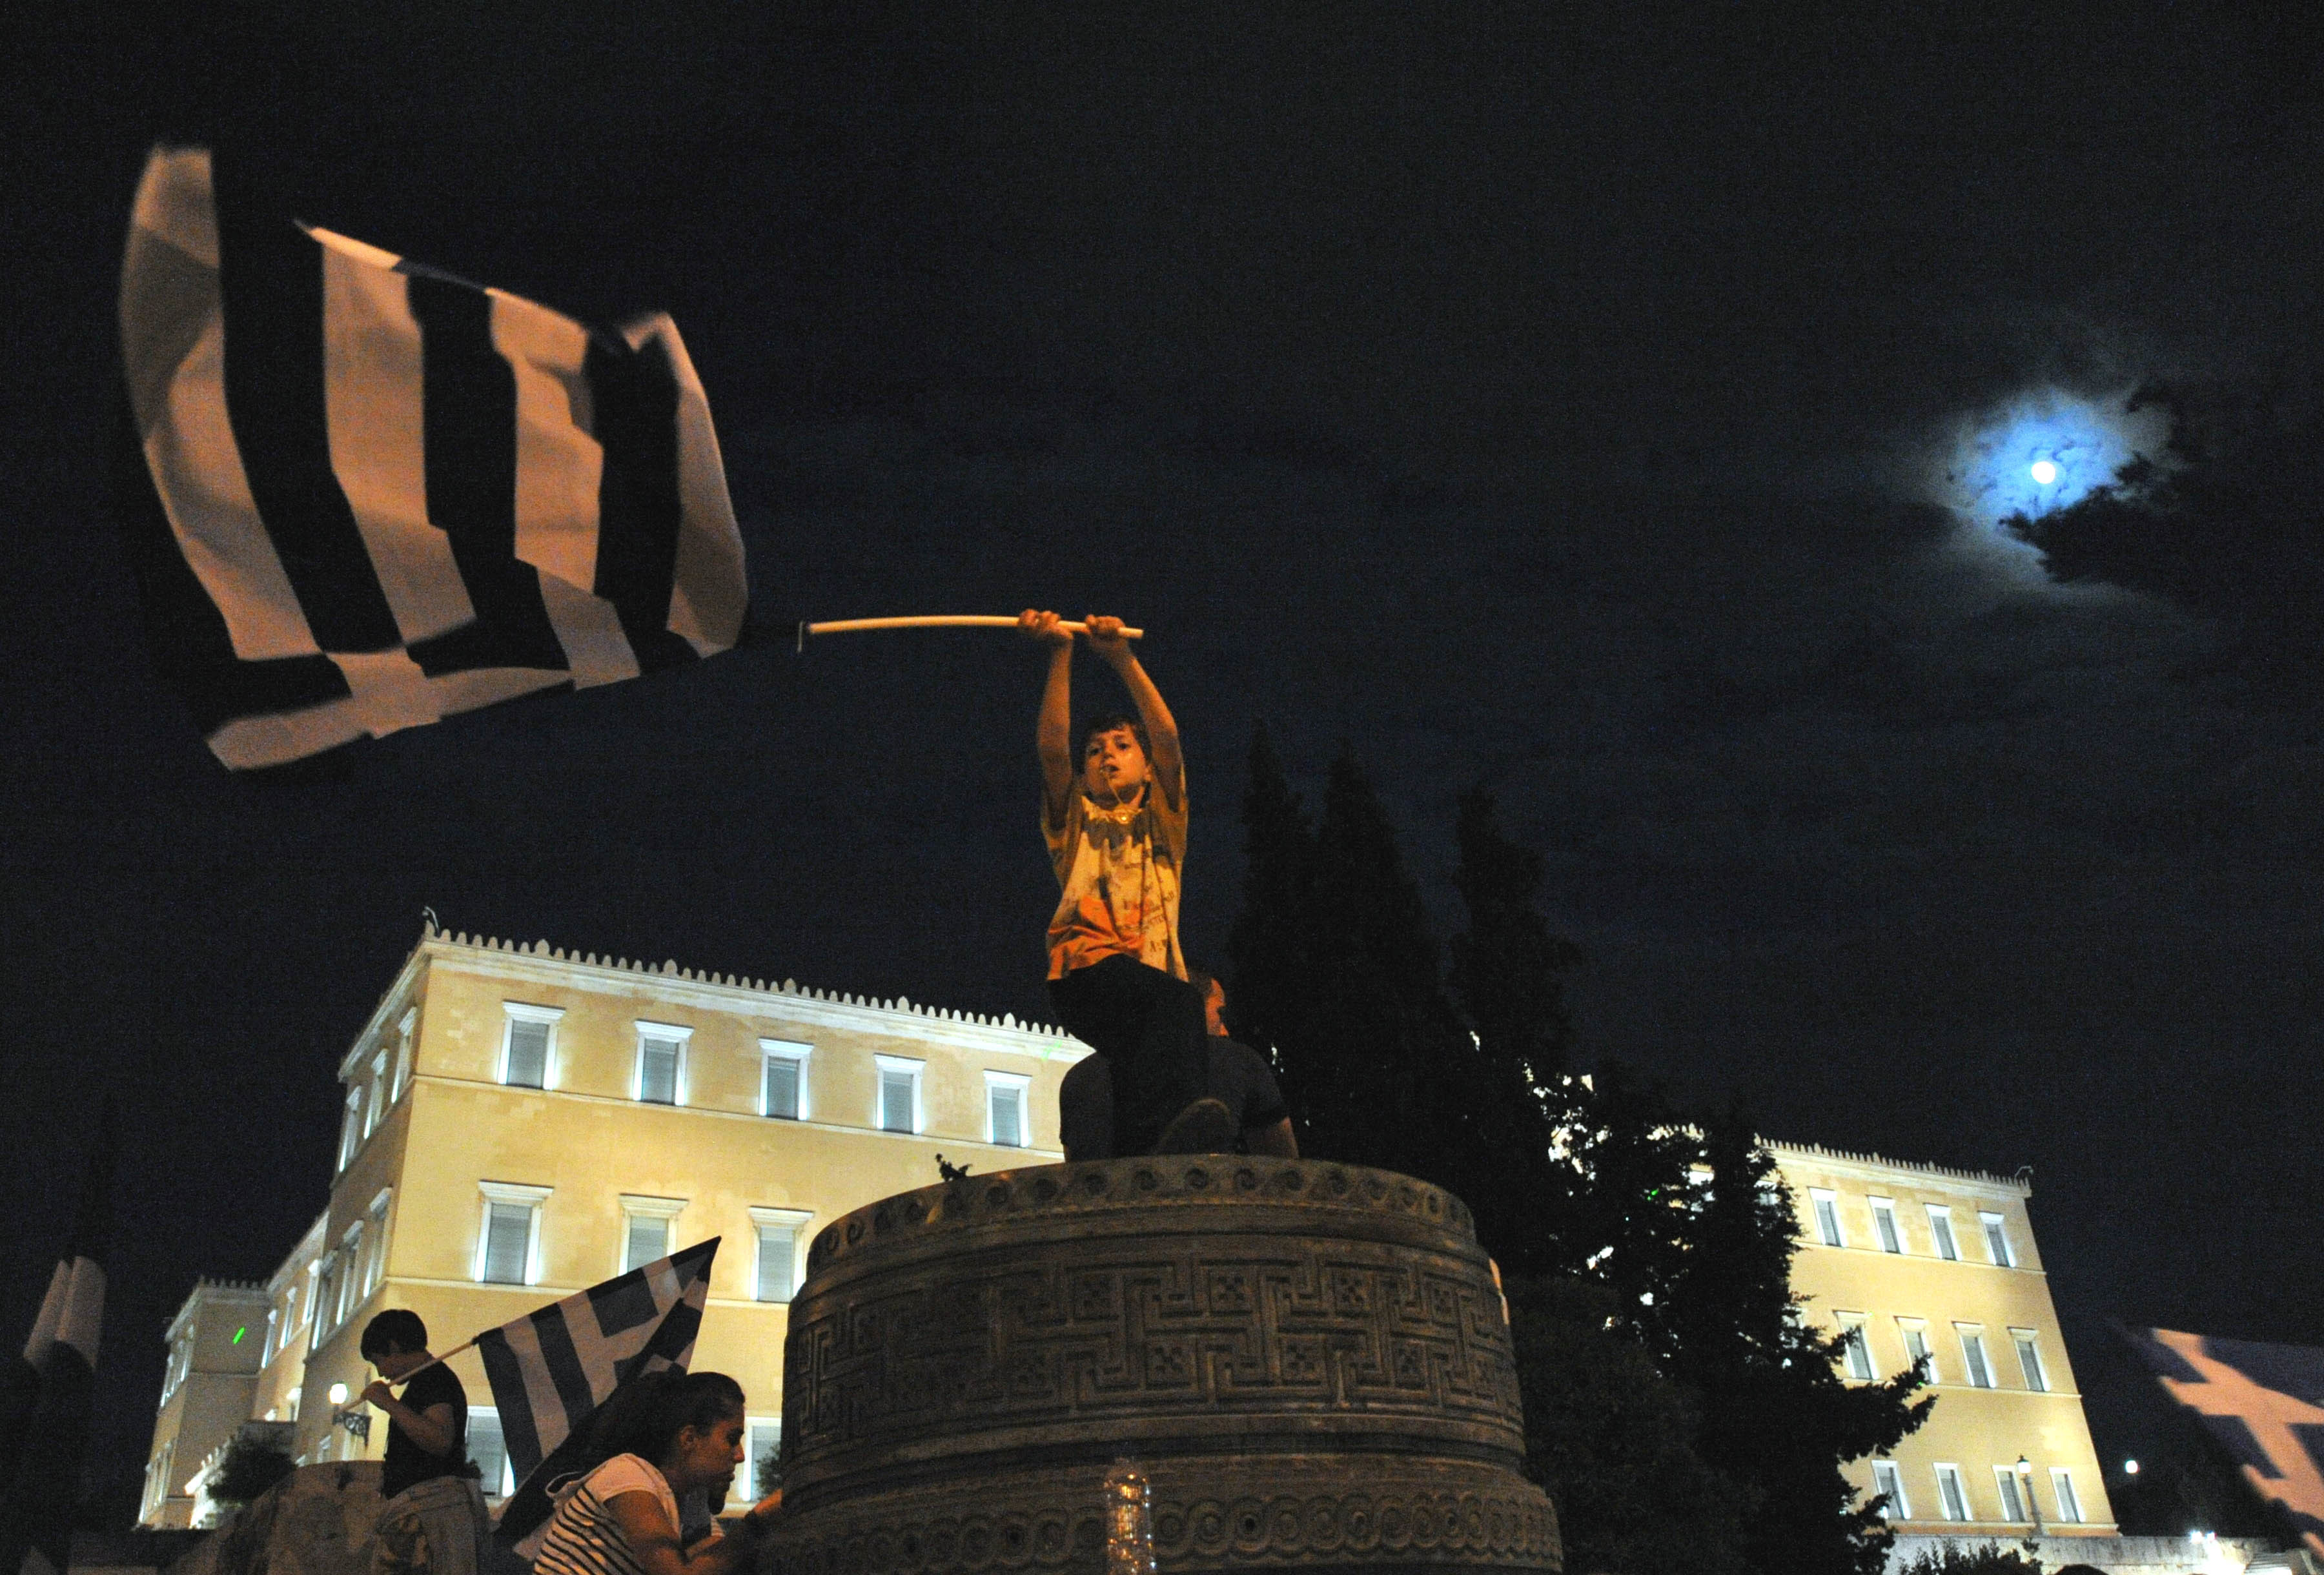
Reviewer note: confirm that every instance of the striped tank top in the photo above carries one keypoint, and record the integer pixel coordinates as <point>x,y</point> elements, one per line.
<point>584,1538</point>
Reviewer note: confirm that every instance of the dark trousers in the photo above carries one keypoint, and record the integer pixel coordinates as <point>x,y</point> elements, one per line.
<point>1149,1027</point>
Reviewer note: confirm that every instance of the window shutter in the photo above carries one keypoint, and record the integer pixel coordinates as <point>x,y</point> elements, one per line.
<point>1885,1221</point>
<point>649,1239</point>
<point>2069,1505</point>
<point>895,1101</point>
<point>1941,1228</point>
<point>2029,1359</point>
<point>783,1087</point>
<point>658,1072</point>
<point>777,1257</point>
<point>1008,1116</point>
<point>528,1054</point>
<point>2007,1480</point>
<point>1996,1244</point>
<point>506,1239</point>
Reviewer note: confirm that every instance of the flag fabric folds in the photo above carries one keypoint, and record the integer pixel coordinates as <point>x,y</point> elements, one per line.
<point>550,1369</point>
<point>380,495</point>
<point>2264,1405</point>
<point>45,1396</point>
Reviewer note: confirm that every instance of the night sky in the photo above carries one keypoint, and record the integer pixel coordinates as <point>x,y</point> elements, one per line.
<point>1551,396</point>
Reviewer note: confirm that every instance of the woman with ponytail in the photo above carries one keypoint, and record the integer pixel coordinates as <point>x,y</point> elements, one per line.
<point>668,1436</point>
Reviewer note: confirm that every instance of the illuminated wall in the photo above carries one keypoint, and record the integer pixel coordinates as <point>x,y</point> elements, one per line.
<point>214,1342</point>
<point>438,1132</point>
<point>1971,1311</point>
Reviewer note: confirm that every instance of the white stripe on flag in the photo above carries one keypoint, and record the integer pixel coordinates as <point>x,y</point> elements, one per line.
<point>559,464</point>
<point>598,1356</point>
<point>175,351</point>
<point>590,631</point>
<point>706,595</point>
<point>373,390</point>
<point>549,1423</point>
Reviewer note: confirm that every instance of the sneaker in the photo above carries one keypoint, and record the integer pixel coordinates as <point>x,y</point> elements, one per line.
<point>1205,1126</point>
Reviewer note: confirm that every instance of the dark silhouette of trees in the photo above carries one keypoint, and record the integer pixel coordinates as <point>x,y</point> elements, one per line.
<point>1650,1250</point>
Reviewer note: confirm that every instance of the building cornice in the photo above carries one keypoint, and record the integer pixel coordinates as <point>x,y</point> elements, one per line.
<point>212,1292</point>
<point>541,963</point>
<point>1875,1164</point>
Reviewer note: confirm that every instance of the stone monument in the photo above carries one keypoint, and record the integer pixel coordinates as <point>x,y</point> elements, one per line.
<point>1303,1365</point>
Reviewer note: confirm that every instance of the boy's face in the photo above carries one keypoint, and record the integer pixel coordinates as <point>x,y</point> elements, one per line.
<point>395,1363</point>
<point>1114,767</point>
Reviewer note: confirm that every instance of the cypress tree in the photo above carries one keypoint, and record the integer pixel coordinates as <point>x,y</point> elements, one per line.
<point>1266,950</point>
<point>1777,1417</point>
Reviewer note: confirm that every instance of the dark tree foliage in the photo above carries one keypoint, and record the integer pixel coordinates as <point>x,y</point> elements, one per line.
<point>1509,969</point>
<point>1270,1003</point>
<point>1983,1559</point>
<point>1598,1179</point>
<point>250,1468</point>
<point>1612,1441</point>
<point>1336,972</point>
<point>1778,1419</point>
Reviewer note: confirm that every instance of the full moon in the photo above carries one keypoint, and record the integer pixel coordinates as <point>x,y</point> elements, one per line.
<point>2043,472</point>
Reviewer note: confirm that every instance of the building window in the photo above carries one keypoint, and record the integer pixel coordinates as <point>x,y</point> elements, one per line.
<point>1888,1482</point>
<point>1857,1352</point>
<point>527,1043</point>
<point>782,1088</point>
<point>899,1094</point>
<point>779,1235</point>
<point>1827,1216</point>
<point>508,1246</point>
<point>1972,1340</point>
<point>404,1054</point>
<point>376,1092</point>
<point>488,1448</point>
<point>375,1236</point>
<point>1006,1096</point>
<point>1884,1225</point>
<point>1952,1494</point>
<point>327,1286</point>
<point>2013,1504</point>
<point>661,1063</point>
<point>2029,1359</point>
<point>2070,1503</point>
<point>351,1127</point>
<point>765,1465</point>
<point>351,1289</point>
<point>1941,1231</point>
<point>1996,1240</point>
<point>1916,1348</point>
<point>647,1225</point>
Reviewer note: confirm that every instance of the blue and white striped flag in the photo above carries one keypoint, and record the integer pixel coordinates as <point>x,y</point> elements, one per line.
<point>550,1369</point>
<point>380,495</point>
<point>2264,1403</point>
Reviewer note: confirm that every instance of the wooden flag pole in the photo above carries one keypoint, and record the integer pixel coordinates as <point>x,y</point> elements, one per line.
<point>936,620</point>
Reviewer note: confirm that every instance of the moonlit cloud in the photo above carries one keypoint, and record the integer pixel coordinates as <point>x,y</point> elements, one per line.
<point>2039,451</point>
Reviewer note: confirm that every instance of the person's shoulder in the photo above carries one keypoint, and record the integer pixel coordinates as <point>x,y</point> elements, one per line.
<point>625,1474</point>
<point>1238,1056</point>
<point>435,1385</point>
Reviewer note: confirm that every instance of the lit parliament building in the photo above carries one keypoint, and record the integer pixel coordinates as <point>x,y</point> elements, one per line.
<point>521,1122</point>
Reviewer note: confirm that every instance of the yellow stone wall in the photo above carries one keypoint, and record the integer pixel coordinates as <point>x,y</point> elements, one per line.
<point>1973,1428</point>
<point>585,1137</point>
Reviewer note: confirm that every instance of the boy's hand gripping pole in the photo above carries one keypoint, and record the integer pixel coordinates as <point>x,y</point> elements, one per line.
<point>935,621</point>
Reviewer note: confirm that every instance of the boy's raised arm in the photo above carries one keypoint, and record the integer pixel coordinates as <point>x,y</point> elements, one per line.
<point>1053,732</point>
<point>1161,728</point>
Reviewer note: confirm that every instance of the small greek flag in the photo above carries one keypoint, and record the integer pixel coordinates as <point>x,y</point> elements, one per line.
<point>550,1369</point>
<point>374,495</point>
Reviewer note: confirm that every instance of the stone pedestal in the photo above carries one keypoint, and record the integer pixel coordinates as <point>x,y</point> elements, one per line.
<point>1309,1361</point>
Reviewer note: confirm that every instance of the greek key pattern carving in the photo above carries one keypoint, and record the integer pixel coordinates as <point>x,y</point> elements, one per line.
<point>1239,1324</point>
<point>1507,1523</point>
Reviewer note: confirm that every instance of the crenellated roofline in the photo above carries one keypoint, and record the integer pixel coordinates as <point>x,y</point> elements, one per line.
<point>718,990</point>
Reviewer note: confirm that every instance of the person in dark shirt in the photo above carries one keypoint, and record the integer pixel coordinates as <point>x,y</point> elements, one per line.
<point>1236,1075</point>
<point>427,1429</point>
<point>442,1526</point>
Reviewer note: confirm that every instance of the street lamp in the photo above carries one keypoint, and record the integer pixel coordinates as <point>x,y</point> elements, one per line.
<point>2033,1505</point>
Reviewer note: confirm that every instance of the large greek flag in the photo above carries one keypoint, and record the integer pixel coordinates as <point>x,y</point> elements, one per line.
<point>2264,1405</point>
<point>380,495</point>
<point>551,1368</point>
